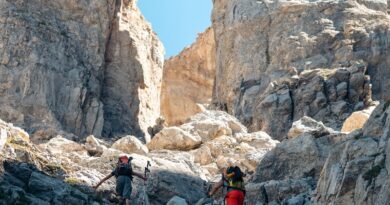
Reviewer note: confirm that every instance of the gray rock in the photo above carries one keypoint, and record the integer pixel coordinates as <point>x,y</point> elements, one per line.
<point>355,171</point>
<point>58,71</point>
<point>297,47</point>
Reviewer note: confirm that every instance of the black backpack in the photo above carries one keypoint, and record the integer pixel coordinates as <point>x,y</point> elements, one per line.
<point>124,169</point>
<point>234,179</point>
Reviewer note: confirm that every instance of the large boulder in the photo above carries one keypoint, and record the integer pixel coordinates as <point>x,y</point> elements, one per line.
<point>130,144</point>
<point>174,138</point>
<point>357,120</point>
<point>94,146</point>
<point>299,157</point>
<point>60,145</point>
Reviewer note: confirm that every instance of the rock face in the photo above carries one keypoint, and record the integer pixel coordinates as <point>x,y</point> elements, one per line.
<point>188,80</point>
<point>345,169</point>
<point>63,64</point>
<point>132,75</point>
<point>278,61</point>
<point>357,170</point>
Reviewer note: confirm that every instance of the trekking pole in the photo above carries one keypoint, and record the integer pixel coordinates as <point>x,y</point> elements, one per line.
<point>147,170</point>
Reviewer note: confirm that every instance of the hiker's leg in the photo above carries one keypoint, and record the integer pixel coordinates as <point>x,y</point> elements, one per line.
<point>234,197</point>
<point>127,201</point>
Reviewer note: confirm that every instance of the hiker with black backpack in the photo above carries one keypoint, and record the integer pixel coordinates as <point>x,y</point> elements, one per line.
<point>124,175</point>
<point>233,181</point>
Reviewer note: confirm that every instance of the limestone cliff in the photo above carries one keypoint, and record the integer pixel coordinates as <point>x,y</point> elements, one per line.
<point>280,60</point>
<point>132,74</point>
<point>188,80</point>
<point>76,65</point>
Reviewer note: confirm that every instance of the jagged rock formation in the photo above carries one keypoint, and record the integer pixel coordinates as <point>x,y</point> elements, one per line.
<point>188,80</point>
<point>357,170</point>
<point>63,64</point>
<point>327,168</point>
<point>280,60</point>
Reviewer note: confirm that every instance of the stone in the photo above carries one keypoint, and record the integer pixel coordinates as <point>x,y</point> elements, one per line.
<point>295,158</point>
<point>174,138</point>
<point>130,144</point>
<point>259,140</point>
<point>60,145</point>
<point>188,80</point>
<point>203,155</point>
<point>279,192</point>
<point>357,120</point>
<point>94,146</point>
<point>177,201</point>
<point>308,126</point>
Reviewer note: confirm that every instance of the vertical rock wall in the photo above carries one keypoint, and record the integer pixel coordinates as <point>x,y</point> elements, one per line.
<point>280,60</point>
<point>132,75</point>
<point>188,80</point>
<point>78,66</point>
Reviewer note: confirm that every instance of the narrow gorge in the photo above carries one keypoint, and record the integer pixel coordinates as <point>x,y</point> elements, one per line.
<point>295,93</point>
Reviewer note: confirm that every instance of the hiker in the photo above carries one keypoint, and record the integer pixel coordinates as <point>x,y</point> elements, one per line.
<point>124,175</point>
<point>232,180</point>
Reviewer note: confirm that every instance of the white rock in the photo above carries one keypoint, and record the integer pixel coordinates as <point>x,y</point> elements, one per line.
<point>308,125</point>
<point>130,144</point>
<point>174,138</point>
<point>93,146</point>
<point>203,155</point>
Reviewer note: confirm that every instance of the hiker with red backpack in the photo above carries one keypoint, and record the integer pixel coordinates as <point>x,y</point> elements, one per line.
<point>124,175</point>
<point>232,180</point>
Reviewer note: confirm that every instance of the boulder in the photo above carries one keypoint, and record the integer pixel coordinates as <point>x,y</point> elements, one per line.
<point>177,201</point>
<point>60,145</point>
<point>259,140</point>
<point>308,125</point>
<point>357,120</point>
<point>203,155</point>
<point>174,138</point>
<point>94,146</point>
<point>280,192</point>
<point>299,157</point>
<point>130,144</point>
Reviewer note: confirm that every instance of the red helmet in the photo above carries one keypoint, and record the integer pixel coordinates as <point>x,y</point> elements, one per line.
<point>124,158</point>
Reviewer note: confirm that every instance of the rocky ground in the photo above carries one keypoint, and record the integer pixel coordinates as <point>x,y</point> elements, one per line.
<point>184,161</point>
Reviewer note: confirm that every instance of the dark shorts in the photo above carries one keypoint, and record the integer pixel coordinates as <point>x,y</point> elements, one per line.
<point>123,187</point>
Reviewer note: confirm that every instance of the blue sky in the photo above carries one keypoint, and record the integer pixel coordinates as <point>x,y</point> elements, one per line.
<point>177,22</point>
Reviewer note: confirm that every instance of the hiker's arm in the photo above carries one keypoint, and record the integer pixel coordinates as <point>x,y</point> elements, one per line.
<point>103,180</point>
<point>216,187</point>
<point>139,175</point>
